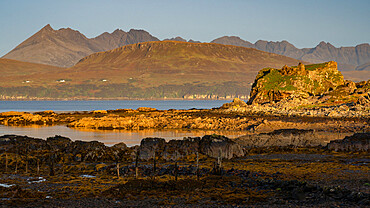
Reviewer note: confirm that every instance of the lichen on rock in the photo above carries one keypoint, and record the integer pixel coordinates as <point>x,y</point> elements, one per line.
<point>273,85</point>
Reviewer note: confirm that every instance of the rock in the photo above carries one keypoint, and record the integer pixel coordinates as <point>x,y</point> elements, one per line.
<point>356,142</point>
<point>58,143</point>
<point>150,145</point>
<point>121,146</point>
<point>210,145</point>
<point>100,112</point>
<point>15,143</point>
<point>63,147</point>
<point>274,85</point>
<point>363,100</point>
<point>236,103</point>
<point>146,109</point>
<point>220,146</point>
<point>175,149</point>
<point>281,137</point>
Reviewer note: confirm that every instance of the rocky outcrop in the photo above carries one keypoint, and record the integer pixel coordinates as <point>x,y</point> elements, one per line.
<point>63,147</point>
<point>285,137</point>
<point>236,103</point>
<point>356,142</point>
<point>150,147</point>
<point>191,119</point>
<point>211,145</point>
<point>24,118</point>
<point>220,146</point>
<point>274,85</point>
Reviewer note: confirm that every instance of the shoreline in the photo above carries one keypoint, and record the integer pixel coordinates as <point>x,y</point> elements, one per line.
<point>89,99</point>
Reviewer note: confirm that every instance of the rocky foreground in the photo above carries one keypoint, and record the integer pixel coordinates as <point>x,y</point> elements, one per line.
<point>305,144</point>
<point>193,172</point>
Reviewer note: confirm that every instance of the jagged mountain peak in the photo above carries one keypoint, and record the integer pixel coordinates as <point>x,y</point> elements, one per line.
<point>178,38</point>
<point>47,28</point>
<point>233,40</point>
<point>65,47</point>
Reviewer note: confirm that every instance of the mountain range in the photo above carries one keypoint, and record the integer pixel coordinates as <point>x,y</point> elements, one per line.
<point>156,69</point>
<point>65,47</point>
<point>348,58</point>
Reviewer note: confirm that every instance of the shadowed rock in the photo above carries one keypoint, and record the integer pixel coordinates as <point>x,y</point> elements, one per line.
<point>356,142</point>
<point>220,146</point>
<point>210,145</point>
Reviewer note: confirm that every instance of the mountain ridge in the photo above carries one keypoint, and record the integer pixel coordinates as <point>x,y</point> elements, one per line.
<point>348,58</point>
<point>65,47</point>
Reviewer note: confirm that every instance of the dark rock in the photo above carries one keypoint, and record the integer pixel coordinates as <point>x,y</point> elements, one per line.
<point>58,142</point>
<point>180,148</point>
<point>220,146</point>
<point>356,142</point>
<point>210,145</point>
<point>281,137</point>
<point>121,146</point>
<point>150,145</point>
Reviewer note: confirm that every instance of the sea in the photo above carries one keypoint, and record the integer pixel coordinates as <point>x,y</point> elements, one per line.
<point>108,137</point>
<point>89,105</point>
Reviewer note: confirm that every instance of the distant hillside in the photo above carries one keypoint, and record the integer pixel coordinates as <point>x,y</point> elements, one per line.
<point>348,58</point>
<point>364,67</point>
<point>179,62</point>
<point>65,47</point>
<point>158,69</point>
<point>14,73</point>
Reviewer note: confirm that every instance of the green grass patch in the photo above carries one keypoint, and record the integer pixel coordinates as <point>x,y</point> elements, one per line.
<point>312,67</point>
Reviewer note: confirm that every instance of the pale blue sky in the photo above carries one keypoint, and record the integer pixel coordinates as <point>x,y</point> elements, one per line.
<point>303,23</point>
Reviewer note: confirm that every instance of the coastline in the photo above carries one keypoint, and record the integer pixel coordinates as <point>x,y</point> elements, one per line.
<point>87,99</point>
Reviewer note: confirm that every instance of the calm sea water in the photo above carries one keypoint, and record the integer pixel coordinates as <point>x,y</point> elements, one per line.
<point>109,137</point>
<point>89,105</point>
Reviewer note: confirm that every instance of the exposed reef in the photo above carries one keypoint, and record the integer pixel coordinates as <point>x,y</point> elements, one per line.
<point>208,171</point>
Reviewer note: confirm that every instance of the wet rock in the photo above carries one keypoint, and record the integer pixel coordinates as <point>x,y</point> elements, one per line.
<point>58,143</point>
<point>149,146</point>
<point>15,143</point>
<point>121,146</point>
<point>180,148</point>
<point>220,146</point>
<point>282,137</point>
<point>210,145</point>
<point>60,147</point>
<point>356,142</point>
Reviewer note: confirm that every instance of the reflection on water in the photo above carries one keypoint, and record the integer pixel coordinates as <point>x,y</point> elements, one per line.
<point>108,137</point>
<point>89,105</point>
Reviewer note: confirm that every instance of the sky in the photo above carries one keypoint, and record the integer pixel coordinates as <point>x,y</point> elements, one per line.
<point>303,23</point>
